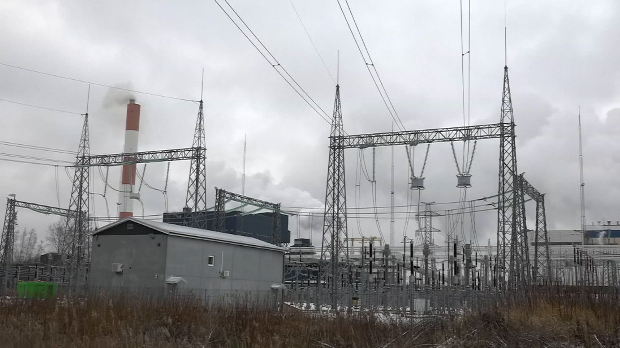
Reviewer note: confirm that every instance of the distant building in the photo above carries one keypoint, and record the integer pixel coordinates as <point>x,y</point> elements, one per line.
<point>301,263</point>
<point>51,259</point>
<point>259,226</point>
<point>605,233</point>
<point>302,247</point>
<point>161,257</point>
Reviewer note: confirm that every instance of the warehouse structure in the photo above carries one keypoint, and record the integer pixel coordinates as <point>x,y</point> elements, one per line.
<point>161,258</point>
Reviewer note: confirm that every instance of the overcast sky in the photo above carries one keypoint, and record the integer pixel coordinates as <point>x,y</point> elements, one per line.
<point>561,54</point>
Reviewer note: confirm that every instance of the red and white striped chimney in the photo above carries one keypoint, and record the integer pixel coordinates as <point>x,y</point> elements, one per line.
<point>128,177</point>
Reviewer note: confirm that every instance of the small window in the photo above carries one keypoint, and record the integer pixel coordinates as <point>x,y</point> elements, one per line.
<point>211,261</point>
<point>130,226</point>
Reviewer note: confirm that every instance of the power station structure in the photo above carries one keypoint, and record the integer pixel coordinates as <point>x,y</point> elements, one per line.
<point>77,216</point>
<point>512,265</point>
<point>347,270</point>
<point>265,222</point>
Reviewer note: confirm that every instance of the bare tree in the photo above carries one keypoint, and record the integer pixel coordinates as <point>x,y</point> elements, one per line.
<point>58,237</point>
<point>26,246</point>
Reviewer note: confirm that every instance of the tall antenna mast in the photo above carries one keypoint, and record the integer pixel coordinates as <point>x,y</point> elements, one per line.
<point>202,83</point>
<point>505,36</point>
<point>338,70</point>
<point>582,185</point>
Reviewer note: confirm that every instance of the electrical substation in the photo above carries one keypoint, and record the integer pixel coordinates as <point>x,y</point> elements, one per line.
<point>245,244</point>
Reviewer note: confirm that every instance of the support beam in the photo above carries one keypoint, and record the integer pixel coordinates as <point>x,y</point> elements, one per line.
<point>542,262</point>
<point>222,196</point>
<point>43,209</point>
<point>423,136</point>
<point>120,159</point>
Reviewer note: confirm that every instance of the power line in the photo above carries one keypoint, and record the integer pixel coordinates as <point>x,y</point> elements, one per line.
<point>28,162</point>
<point>312,42</point>
<point>39,148</point>
<point>33,158</point>
<point>369,63</point>
<point>396,206</point>
<point>40,107</point>
<point>94,83</point>
<point>274,62</point>
<point>440,213</point>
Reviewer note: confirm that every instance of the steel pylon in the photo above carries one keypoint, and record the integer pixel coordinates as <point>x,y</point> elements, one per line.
<point>78,219</point>
<point>511,244</point>
<point>196,198</point>
<point>542,259</point>
<point>425,221</point>
<point>334,249</point>
<point>7,242</point>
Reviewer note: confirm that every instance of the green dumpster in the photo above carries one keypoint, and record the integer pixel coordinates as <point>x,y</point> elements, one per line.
<point>36,290</point>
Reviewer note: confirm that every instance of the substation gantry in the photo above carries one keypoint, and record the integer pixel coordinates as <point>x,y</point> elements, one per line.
<point>79,246</point>
<point>541,269</point>
<point>7,241</point>
<point>78,219</point>
<point>77,216</point>
<point>512,265</point>
<point>222,197</point>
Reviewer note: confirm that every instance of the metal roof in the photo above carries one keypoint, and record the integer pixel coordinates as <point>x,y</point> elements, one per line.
<point>197,233</point>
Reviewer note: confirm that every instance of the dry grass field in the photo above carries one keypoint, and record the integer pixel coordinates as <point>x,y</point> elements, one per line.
<point>546,319</point>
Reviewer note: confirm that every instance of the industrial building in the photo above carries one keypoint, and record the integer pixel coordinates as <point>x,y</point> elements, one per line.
<point>606,233</point>
<point>259,226</point>
<point>161,258</point>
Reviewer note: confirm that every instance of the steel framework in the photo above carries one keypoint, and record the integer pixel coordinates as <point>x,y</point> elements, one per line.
<point>41,208</point>
<point>334,249</point>
<point>512,246</point>
<point>425,219</point>
<point>426,224</point>
<point>7,242</point>
<point>222,196</point>
<point>8,232</point>
<point>78,220</point>
<point>196,198</point>
<point>120,159</point>
<point>541,270</point>
<point>424,136</point>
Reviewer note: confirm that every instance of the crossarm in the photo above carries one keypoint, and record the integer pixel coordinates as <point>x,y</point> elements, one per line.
<point>424,136</point>
<point>140,157</point>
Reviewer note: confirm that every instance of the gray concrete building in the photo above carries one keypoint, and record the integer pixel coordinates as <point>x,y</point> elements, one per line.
<point>155,256</point>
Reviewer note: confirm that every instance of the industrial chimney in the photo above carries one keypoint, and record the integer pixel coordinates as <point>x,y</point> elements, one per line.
<point>128,177</point>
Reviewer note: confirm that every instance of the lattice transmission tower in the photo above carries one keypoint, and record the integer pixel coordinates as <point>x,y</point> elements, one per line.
<point>196,198</point>
<point>7,242</point>
<point>541,269</point>
<point>78,220</point>
<point>334,250</point>
<point>425,220</point>
<point>511,243</point>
